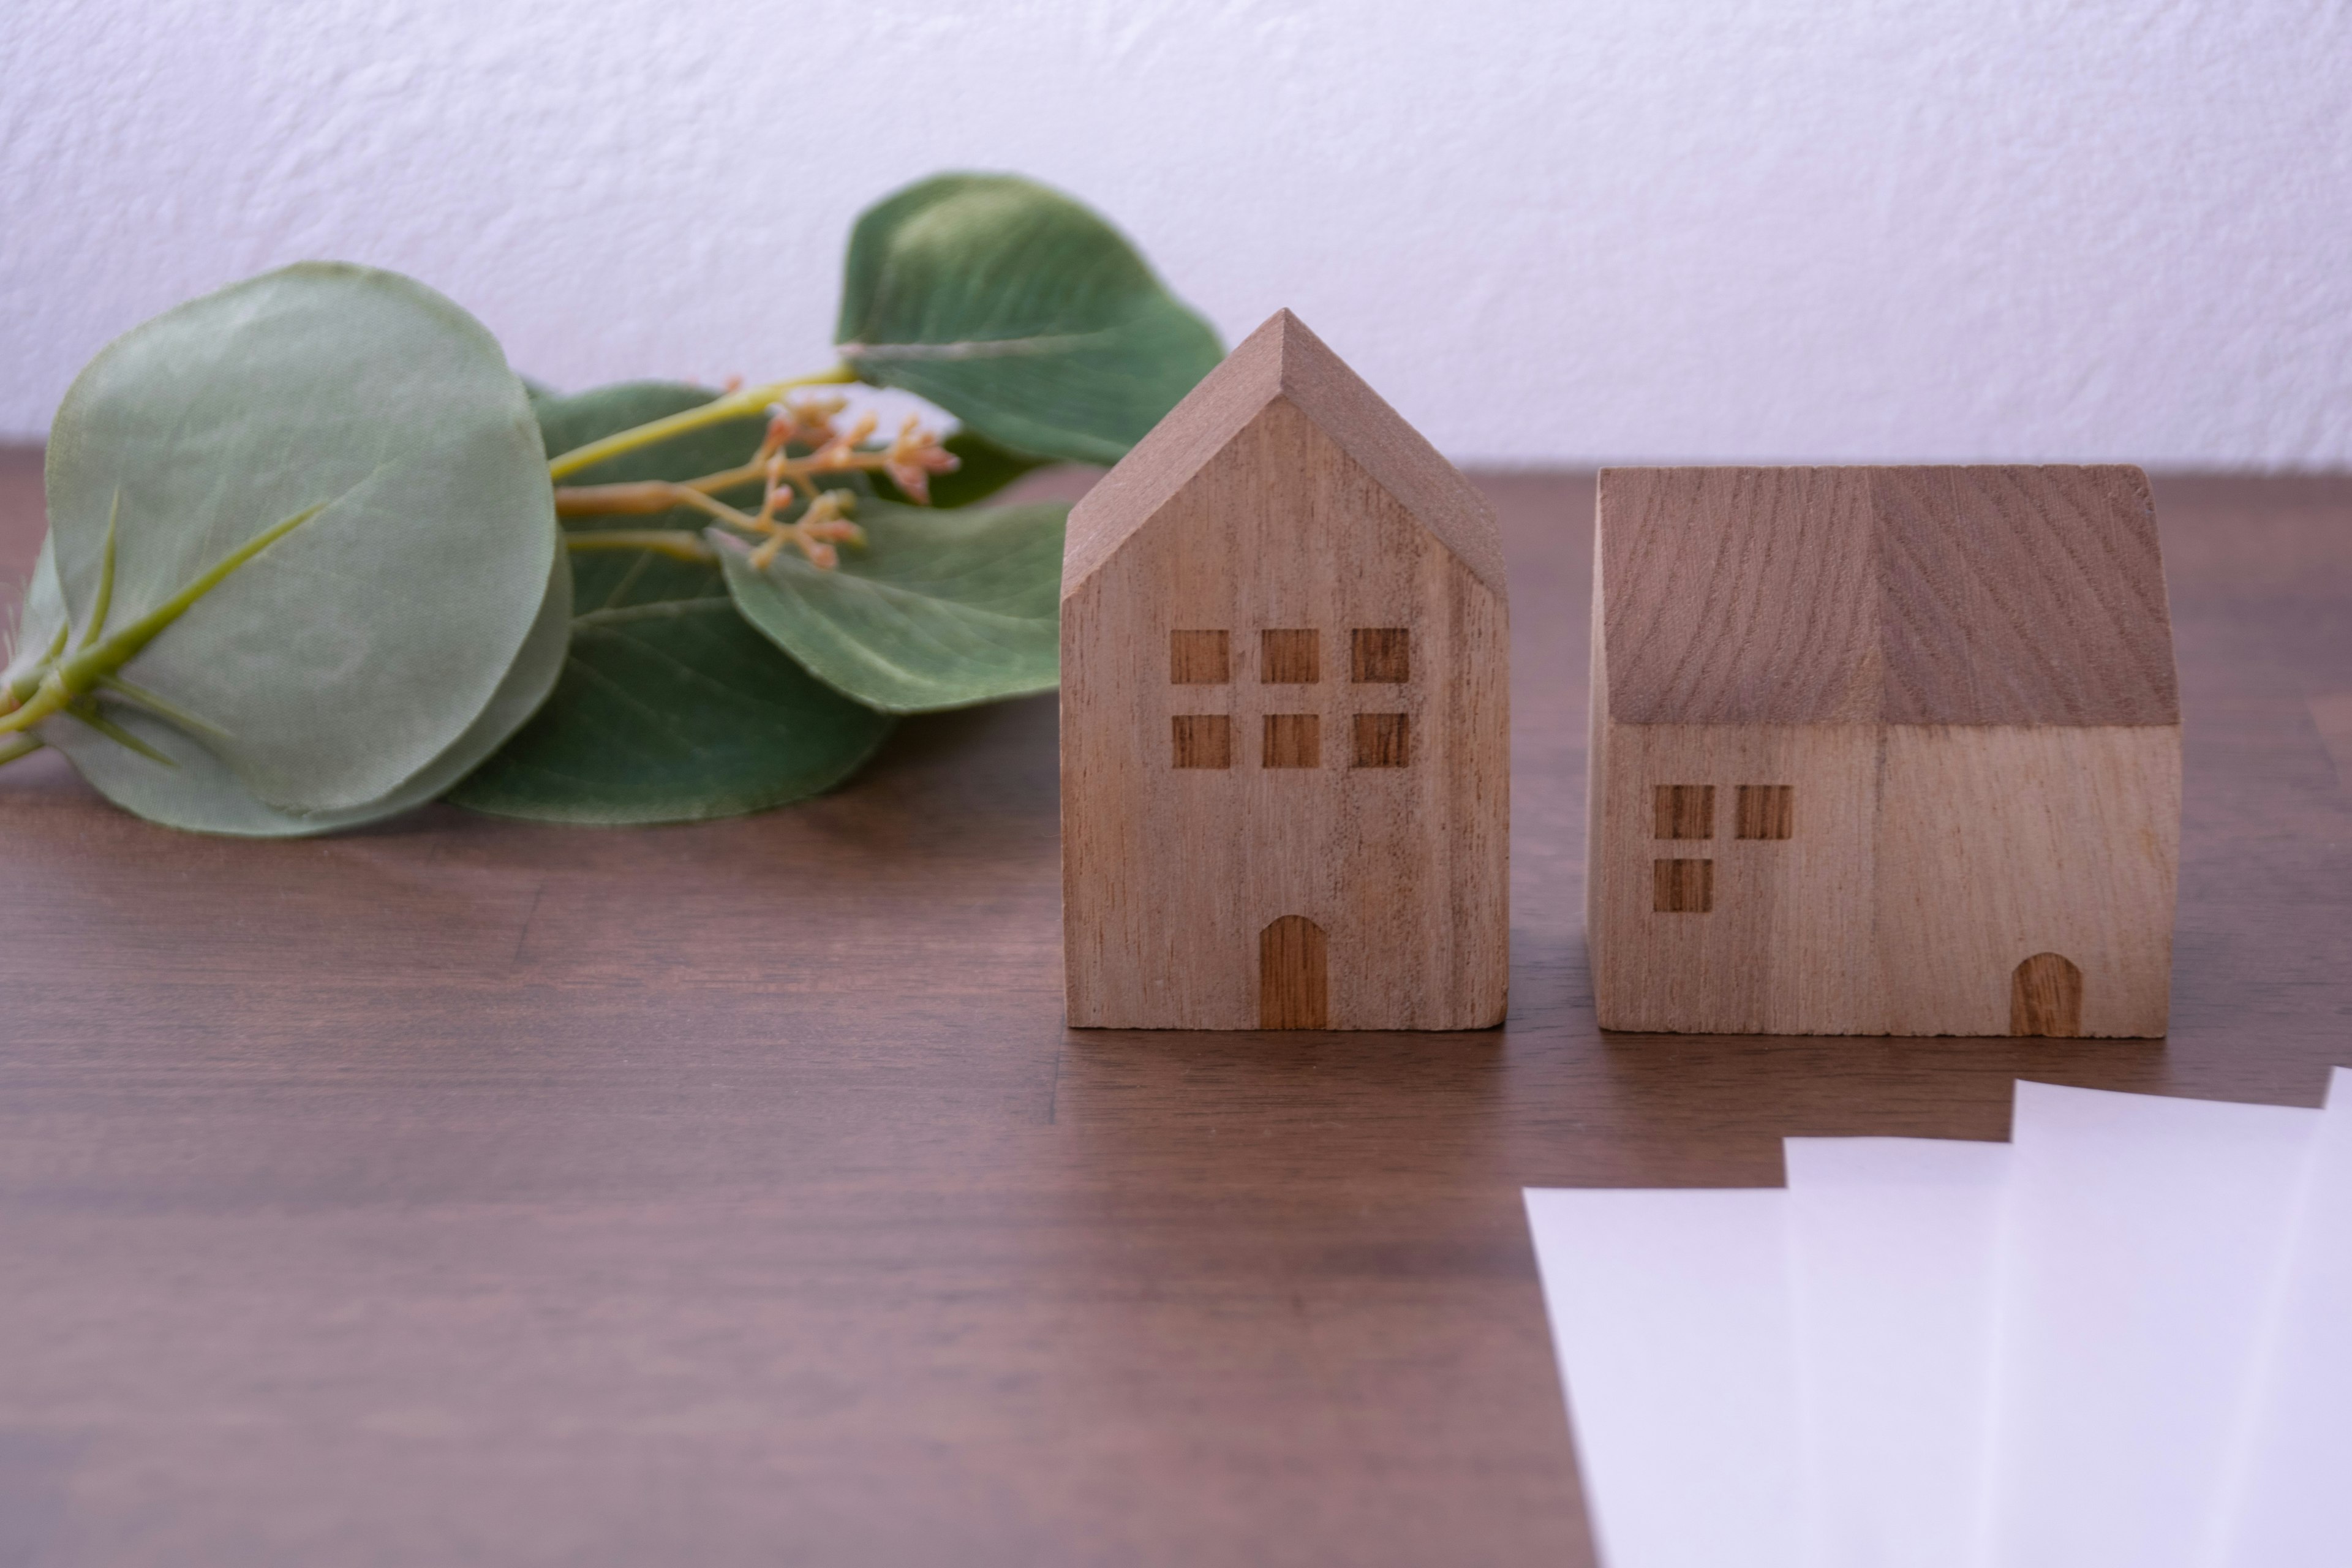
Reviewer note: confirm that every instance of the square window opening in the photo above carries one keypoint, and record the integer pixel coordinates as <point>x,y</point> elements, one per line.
<point>1204,741</point>
<point>1294,741</point>
<point>1683,887</point>
<point>1383,740</point>
<point>1382,655</point>
<point>1766,811</point>
<point>1200,658</point>
<point>1683,811</point>
<point>1292,656</point>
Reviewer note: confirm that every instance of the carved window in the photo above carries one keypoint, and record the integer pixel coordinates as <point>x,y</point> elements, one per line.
<point>1383,740</point>
<point>1200,658</point>
<point>1683,887</point>
<point>1294,741</point>
<point>1765,811</point>
<point>1685,811</point>
<point>1204,741</point>
<point>1290,657</point>
<point>1382,655</point>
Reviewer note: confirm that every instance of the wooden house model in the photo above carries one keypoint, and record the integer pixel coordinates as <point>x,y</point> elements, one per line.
<point>1284,717</point>
<point>1888,751</point>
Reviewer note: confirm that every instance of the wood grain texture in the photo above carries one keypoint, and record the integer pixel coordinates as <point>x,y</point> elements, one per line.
<point>1381,655</point>
<point>1292,741</point>
<point>1683,811</point>
<point>2045,996</point>
<point>2331,715</point>
<point>1958,680</point>
<point>464,1192</point>
<point>1370,675</point>
<point>1283,361</point>
<point>1383,740</point>
<point>1200,657</point>
<point>1294,982</point>
<point>1896,596</point>
<point>1764,811</point>
<point>1202,739</point>
<point>1291,656</point>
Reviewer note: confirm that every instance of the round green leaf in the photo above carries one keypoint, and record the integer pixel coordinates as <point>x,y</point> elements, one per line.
<point>671,708</point>
<point>939,610</point>
<point>199,793</point>
<point>347,658</point>
<point>1021,312</point>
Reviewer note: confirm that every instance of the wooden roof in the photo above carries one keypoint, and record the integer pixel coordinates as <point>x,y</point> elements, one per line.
<point>1897,595</point>
<point>1282,361</point>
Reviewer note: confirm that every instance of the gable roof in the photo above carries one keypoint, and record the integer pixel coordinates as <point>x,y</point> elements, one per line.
<point>1282,359</point>
<point>1896,596</point>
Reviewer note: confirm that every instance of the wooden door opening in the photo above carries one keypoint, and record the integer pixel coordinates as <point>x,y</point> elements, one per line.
<point>2046,997</point>
<point>1294,989</point>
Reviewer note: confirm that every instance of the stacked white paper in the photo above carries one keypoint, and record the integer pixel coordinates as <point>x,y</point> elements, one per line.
<point>2122,1340</point>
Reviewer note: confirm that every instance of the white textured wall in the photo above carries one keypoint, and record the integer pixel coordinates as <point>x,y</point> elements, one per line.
<point>1549,231</point>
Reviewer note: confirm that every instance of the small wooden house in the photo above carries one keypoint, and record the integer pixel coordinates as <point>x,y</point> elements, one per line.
<point>1284,717</point>
<point>1886,750</point>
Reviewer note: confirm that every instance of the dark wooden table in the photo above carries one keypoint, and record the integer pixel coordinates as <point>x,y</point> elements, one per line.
<point>461,1192</point>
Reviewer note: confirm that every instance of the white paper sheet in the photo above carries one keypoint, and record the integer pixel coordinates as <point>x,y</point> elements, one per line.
<point>2145,1238</point>
<point>2292,1505</point>
<point>1670,1317</point>
<point>1891,1246</point>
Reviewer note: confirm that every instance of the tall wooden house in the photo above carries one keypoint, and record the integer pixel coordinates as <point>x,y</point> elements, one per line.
<point>1284,717</point>
<point>1888,751</point>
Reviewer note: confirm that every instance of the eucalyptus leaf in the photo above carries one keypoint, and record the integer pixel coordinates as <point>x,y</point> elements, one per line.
<point>1021,312</point>
<point>197,791</point>
<point>670,707</point>
<point>939,610</point>
<point>351,450</point>
<point>567,424</point>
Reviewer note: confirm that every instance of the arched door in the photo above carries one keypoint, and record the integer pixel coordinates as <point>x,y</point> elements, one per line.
<point>1294,988</point>
<point>2046,997</point>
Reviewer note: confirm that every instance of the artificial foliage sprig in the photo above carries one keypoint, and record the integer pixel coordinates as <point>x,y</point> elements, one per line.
<point>310,561</point>
<point>803,443</point>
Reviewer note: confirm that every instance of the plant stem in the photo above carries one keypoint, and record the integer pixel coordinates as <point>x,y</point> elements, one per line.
<point>16,746</point>
<point>636,496</point>
<point>639,497</point>
<point>44,690</point>
<point>734,405</point>
<point>105,575</point>
<point>682,543</point>
<point>653,495</point>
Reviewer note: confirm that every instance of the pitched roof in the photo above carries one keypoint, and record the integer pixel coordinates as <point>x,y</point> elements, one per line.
<point>1283,360</point>
<point>1897,595</point>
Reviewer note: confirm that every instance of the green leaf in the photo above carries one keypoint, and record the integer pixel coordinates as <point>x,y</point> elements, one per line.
<point>370,648</point>
<point>567,424</point>
<point>199,793</point>
<point>1022,313</point>
<point>941,610</point>
<point>670,707</point>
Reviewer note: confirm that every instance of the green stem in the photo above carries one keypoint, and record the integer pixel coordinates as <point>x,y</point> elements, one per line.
<point>54,685</point>
<point>733,405</point>
<point>170,712</point>
<point>123,646</point>
<point>105,575</point>
<point>87,711</point>
<point>16,746</point>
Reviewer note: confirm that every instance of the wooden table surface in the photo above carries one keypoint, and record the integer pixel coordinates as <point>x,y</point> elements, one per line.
<point>464,1192</point>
